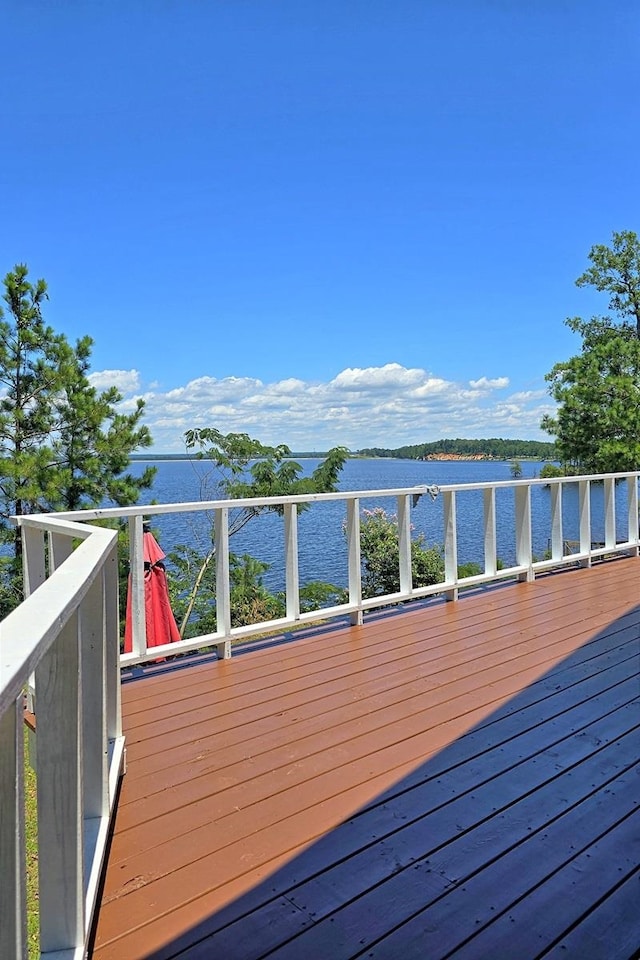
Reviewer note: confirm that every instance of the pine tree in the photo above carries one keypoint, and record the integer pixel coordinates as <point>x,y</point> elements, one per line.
<point>63,445</point>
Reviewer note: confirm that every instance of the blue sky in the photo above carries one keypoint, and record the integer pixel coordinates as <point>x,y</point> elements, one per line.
<point>320,221</point>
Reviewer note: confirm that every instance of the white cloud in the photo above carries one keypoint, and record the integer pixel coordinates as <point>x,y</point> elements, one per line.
<point>208,388</point>
<point>388,406</point>
<point>126,381</point>
<point>286,387</point>
<point>485,384</point>
<point>524,396</point>
<point>390,377</point>
<point>430,388</point>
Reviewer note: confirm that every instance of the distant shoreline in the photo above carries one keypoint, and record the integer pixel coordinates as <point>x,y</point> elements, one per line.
<point>487,449</point>
<point>432,457</point>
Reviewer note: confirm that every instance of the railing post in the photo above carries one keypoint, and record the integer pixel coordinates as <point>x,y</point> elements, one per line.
<point>609,513</point>
<point>60,548</point>
<point>112,636</point>
<point>94,721</point>
<point>523,531</point>
<point>404,544</point>
<point>584,500</point>
<point>33,559</point>
<point>633,519</point>
<point>292,584</point>
<point>136,586</point>
<point>450,544</point>
<point>223,592</point>
<point>490,546</point>
<point>13,889</point>
<point>95,768</point>
<point>557,539</point>
<point>354,559</point>
<point>60,820</point>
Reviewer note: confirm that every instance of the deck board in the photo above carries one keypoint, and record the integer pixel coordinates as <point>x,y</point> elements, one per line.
<point>433,781</point>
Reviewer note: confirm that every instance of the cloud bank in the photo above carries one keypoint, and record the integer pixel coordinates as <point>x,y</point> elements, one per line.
<point>386,406</point>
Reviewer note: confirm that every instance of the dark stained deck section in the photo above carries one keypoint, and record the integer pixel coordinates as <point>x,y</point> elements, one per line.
<point>460,780</point>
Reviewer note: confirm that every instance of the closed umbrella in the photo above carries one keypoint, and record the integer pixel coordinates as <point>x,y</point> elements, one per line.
<point>161,626</point>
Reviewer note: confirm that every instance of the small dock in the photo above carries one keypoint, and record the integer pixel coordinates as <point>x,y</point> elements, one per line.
<point>454,780</point>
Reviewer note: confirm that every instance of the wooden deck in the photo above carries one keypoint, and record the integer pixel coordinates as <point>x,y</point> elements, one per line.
<point>458,781</point>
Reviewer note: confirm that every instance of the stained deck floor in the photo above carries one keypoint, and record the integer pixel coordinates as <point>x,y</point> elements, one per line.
<point>460,780</point>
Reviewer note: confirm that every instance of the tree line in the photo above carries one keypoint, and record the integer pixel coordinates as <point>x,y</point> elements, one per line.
<point>494,448</point>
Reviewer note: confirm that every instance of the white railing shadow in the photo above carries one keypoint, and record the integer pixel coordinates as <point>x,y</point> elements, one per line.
<point>62,645</point>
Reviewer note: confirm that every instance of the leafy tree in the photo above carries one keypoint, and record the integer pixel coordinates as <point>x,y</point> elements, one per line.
<point>249,599</point>
<point>597,425</point>
<point>380,553</point>
<point>63,445</point>
<point>241,467</point>
<point>244,467</point>
<point>192,590</point>
<point>516,470</point>
<point>552,470</point>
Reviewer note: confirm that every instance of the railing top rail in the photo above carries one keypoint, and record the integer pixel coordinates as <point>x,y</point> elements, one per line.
<point>55,523</point>
<point>249,502</point>
<point>30,629</point>
<point>105,513</point>
<point>538,481</point>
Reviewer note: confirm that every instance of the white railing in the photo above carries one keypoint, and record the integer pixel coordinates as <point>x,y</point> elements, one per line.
<point>61,644</point>
<point>446,499</point>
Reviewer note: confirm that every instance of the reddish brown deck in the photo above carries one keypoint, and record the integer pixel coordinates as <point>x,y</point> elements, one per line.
<point>460,780</point>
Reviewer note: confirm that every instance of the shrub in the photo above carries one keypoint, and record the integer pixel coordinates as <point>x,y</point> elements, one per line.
<point>380,553</point>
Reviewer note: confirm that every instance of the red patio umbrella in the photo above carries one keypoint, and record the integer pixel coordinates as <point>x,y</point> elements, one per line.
<point>160,621</point>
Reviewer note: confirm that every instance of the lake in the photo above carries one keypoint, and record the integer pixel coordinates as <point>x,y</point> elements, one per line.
<point>322,547</point>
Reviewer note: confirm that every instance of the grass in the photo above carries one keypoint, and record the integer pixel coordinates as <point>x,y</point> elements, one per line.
<point>31,842</point>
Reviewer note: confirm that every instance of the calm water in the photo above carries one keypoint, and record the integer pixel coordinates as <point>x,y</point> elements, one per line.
<point>322,546</point>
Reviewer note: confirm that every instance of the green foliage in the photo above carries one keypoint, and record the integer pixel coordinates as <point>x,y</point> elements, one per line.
<point>318,594</point>
<point>192,590</point>
<point>551,470</point>
<point>10,585</point>
<point>251,601</point>
<point>232,451</point>
<point>92,442</point>
<point>598,391</point>
<point>493,448</point>
<point>516,470</point>
<point>380,553</point>
<point>31,355</point>
<point>242,467</point>
<point>616,270</point>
